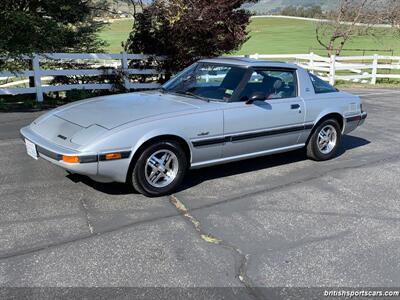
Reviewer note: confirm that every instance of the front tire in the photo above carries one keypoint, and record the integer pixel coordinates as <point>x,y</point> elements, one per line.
<point>325,141</point>
<point>159,169</point>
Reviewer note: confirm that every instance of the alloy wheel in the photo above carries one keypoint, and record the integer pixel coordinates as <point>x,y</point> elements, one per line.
<point>161,168</point>
<point>327,139</point>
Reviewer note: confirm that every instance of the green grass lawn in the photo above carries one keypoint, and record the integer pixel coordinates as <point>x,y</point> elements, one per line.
<point>115,33</point>
<point>272,36</point>
<point>287,36</point>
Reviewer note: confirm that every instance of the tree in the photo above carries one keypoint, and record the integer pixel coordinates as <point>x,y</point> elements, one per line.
<point>355,18</point>
<point>37,26</point>
<point>314,11</point>
<point>389,13</point>
<point>30,26</point>
<point>186,30</point>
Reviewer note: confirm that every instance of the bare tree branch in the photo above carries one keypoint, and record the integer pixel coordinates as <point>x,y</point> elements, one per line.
<point>344,23</point>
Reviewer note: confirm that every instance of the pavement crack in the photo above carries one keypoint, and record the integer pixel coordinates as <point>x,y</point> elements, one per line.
<point>241,270</point>
<point>85,210</point>
<point>196,224</point>
<point>31,250</point>
<point>79,238</point>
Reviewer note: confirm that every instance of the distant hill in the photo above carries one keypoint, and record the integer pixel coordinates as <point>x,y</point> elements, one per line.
<point>259,8</point>
<point>271,6</point>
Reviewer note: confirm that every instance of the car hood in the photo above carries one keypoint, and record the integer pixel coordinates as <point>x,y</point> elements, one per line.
<point>113,111</point>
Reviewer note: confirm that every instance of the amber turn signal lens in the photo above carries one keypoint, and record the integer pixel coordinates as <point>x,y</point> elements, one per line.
<point>111,156</point>
<point>71,159</point>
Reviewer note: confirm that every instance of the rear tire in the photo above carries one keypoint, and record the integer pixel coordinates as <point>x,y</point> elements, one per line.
<point>324,141</point>
<point>159,169</point>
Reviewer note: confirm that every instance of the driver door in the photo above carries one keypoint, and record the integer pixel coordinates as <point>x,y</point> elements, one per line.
<point>274,123</point>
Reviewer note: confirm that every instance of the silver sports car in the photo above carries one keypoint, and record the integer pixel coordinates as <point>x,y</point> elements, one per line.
<point>215,111</point>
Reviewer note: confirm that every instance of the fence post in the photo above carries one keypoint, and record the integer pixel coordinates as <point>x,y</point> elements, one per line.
<point>332,71</point>
<point>312,62</point>
<point>37,77</point>
<point>374,69</point>
<point>124,69</point>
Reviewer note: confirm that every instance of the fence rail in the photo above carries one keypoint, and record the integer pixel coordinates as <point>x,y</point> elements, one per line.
<point>363,69</point>
<point>103,64</point>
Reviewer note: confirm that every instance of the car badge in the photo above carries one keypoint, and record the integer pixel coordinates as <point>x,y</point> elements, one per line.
<point>62,137</point>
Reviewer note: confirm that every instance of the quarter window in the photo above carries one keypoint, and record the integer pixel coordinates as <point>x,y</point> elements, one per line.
<point>271,84</point>
<point>320,86</point>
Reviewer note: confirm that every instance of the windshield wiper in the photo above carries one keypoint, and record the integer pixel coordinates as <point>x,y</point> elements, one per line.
<point>193,95</point>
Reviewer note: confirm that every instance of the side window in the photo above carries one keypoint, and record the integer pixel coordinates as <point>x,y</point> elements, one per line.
<point>320,86</point>
<point>216,82</point>
<point>271,84</point>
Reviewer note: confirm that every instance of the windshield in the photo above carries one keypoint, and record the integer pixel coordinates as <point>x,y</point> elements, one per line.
<point>207,80</point>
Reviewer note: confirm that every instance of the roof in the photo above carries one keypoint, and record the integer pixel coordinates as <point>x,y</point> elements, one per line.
<point>247,62</point>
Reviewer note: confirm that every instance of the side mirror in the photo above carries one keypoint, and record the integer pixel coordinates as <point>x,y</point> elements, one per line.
<point>256,97</point>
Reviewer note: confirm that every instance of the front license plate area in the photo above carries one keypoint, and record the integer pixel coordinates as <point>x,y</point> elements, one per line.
<point>31,149</point>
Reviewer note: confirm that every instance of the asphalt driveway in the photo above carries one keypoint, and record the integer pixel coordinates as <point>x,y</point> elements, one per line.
<point>276,221</point>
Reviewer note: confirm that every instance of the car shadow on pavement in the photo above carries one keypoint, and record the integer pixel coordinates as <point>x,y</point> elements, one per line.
<point>351,142</point>
<point>114,188</point>
<point>196,177</point>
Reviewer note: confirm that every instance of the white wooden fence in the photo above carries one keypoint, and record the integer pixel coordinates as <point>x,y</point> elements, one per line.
<point>102,64</point>
<point>363,69</point>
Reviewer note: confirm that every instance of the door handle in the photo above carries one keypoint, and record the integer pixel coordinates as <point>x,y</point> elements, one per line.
<point>295,106</point>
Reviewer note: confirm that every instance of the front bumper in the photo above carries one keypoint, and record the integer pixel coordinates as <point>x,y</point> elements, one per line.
<point>93,165</point>
<point>54,153</point>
